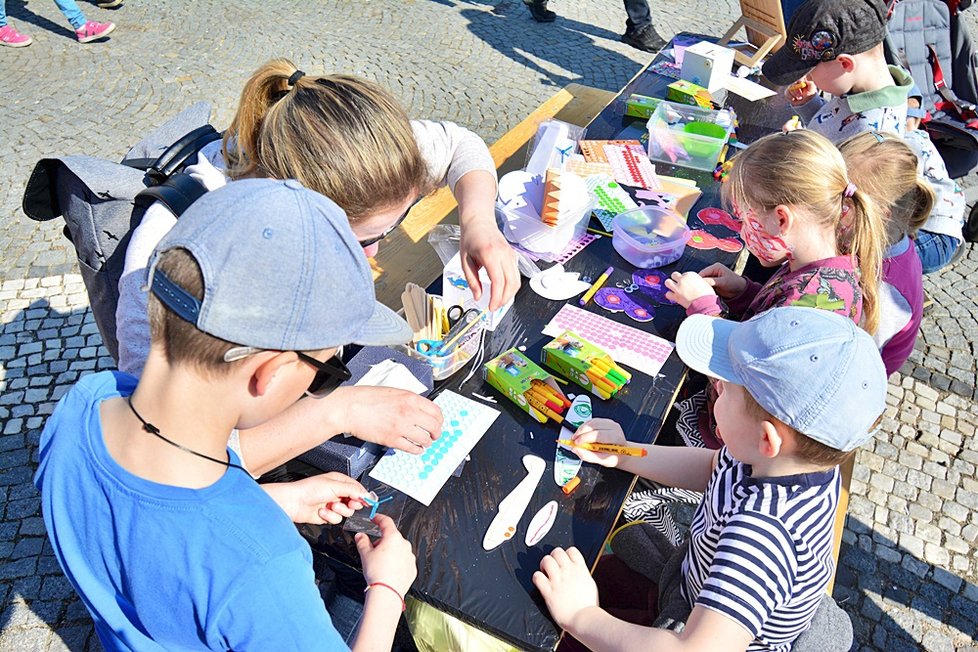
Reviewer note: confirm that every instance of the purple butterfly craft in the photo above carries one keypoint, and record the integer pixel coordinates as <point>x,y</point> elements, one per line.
<point>638,298</point>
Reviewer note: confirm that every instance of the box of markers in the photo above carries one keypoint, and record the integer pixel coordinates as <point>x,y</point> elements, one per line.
<point>573,357</point>
<point>527,385</point>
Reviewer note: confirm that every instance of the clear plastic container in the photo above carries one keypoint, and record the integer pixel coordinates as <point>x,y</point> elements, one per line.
<point>649,236</point>
<point>689,136</point>
<point>443,366</point>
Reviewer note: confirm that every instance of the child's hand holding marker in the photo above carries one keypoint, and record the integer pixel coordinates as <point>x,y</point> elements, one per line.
<point>801,91</point>
<point>599,431</point>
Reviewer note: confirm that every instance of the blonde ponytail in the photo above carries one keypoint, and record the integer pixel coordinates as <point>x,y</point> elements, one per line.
<point>339,135</point>
<point>863,234</point>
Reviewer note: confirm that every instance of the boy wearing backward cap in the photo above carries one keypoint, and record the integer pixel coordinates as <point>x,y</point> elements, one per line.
<point>799,390</point>
<point>169,542</point>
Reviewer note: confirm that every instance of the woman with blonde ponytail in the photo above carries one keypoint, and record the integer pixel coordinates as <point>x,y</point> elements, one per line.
<point>887,169</point>
<point>800,212</point>
<point>349,139</point>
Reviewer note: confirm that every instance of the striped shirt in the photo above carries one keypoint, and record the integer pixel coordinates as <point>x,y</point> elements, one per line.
<point>761,550</point>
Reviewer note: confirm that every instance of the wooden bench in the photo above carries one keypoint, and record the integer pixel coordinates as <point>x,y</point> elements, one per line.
<point>406,255</point>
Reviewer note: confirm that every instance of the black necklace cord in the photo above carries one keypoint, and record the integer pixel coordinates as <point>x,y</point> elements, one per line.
<point>153,430</point>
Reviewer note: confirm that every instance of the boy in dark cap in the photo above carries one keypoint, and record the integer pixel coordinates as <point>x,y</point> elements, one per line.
<point>836,46</point>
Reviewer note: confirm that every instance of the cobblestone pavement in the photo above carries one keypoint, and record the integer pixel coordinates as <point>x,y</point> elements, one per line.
<point>908,572</point>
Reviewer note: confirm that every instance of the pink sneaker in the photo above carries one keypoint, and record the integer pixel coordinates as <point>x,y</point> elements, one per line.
<point>14,39</point>
<point>92,31</point>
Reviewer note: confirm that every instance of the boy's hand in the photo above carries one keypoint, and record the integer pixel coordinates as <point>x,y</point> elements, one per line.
<point>726,283</point>
<point>391,417</point>
<point>603,431</point>
<point>389,559</point>
<point>326,498</point>
<point>684,288</point>
<point>483,246</point>
<point>566,585</point>
<point>801,91</point>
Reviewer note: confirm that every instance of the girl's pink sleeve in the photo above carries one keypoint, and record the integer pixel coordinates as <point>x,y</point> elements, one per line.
<point>708,304</point>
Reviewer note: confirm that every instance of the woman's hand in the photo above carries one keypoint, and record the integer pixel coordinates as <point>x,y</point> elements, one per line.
<point>483,247</point>
<point>395,418</point>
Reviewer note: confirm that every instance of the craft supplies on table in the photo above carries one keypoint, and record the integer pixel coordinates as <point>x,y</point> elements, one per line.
<point>686,92</point>
<point>511,508</point>
<point>422,476</point>
<point>522,201</point>
<point>588,365</point>
<point>631,166</point>
<point>627,345</point>
<point>593,150</point>
<point>554,142</point>
<point>640,106</point>
<point>596,286</point>
<point>557,284</point>
<point>527,385</point>
<point>689,136</point>
<point>638,297</point>
<point>456,292</point>
<point>707,64</point>
<point>610,197</point>
<point>649,236</point>
<point>446,336</point>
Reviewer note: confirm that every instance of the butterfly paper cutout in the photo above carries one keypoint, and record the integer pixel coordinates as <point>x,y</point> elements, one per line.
<point>636,299</point>
<point>700,239</point>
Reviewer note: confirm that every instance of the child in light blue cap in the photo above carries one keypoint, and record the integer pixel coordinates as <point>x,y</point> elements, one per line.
<point>169,541</point>
<point>799,390</point>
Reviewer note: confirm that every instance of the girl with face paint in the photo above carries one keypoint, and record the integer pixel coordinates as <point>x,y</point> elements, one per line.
<point>799,212</point>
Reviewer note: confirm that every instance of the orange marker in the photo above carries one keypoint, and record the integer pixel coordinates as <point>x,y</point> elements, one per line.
<point>557,407</point>
<point>611,449</point>
<point>601,382</point>
<point>547,390</point>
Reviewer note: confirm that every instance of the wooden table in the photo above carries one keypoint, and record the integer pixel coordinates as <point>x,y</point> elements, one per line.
<point>493,590</point>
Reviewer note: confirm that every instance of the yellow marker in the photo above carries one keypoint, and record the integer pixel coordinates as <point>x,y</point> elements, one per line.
<point>794,123</point>
<point>598,232</point>
<point>612,449</point>
<point>595,286</point>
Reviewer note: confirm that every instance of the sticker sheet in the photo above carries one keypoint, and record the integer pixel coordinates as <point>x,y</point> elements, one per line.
<point>631,166</point>
<point>422,476</point>
<point>630,346</point>
<point>612,199</point>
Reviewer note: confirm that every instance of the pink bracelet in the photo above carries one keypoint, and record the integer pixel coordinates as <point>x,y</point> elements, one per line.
<point>388,586</point>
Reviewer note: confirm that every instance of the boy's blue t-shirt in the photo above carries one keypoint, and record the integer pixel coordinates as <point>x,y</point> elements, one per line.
<point>171,568</point>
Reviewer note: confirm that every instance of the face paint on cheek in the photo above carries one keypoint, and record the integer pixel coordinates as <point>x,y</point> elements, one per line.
<point>769,248</point>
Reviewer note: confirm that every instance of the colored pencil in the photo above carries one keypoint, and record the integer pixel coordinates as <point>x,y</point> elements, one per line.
<point>596,286</point>
<point>598,232</point>
<point>613,449</point>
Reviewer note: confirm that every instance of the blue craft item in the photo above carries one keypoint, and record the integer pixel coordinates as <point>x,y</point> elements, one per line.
<point>374,503</point>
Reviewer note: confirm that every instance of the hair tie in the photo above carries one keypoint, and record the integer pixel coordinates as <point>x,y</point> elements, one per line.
<point>878,136</point>
<point>295,77</point>
<point>850,190</point>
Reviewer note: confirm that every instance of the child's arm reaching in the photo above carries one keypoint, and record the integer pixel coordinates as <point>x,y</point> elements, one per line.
<point>572,597</point>
<point>676,466</point>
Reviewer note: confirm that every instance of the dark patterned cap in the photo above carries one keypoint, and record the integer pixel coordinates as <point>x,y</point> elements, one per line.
<point>821,30</point>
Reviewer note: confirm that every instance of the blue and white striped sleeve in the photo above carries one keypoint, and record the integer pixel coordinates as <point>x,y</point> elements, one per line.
<point>753,571</point>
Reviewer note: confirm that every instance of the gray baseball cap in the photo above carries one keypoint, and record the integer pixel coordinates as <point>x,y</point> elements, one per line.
<point>814,370</point>
<point>282,271</point>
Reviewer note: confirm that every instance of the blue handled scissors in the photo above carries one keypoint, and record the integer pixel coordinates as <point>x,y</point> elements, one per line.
<point>458,318</point>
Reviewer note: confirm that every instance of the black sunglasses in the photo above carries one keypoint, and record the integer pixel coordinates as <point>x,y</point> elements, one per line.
<point>369,241</point>
<point>329,374</point>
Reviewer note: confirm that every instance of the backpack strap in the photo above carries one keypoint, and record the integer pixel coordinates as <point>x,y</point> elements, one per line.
<point>964,110</point>
<point>176,193</point>
<point>176,156</point>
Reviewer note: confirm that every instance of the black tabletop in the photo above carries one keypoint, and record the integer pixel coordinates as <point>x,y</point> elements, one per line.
<point>493,590</point>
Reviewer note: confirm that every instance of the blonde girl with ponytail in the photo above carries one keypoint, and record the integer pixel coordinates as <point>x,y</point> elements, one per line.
<point>888,170</point>
<point>348,139</point>
<point>800,212</point>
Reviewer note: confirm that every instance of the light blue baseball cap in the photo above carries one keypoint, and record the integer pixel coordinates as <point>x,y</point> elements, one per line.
<point>282,271</point>
<point>812,369</point>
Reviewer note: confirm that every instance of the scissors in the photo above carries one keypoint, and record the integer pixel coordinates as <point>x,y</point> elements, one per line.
<point>458,318</point>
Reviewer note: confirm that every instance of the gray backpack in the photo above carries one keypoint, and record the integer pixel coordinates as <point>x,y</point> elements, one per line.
<point>102,201</point>
<point>928,38</point>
